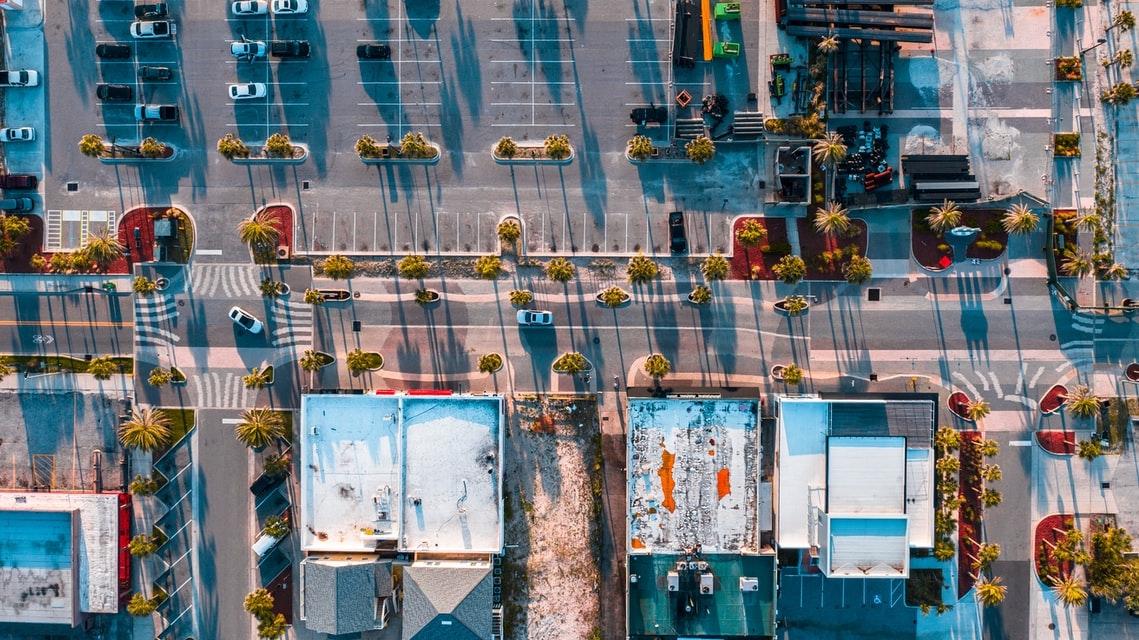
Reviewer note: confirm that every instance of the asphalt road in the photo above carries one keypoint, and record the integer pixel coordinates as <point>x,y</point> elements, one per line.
<point>75,324</point>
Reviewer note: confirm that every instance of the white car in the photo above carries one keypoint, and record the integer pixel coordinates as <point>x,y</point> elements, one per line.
<point>535,318</point>
<point>287,7</point>
<point>17,134</point>
<point>245,320</point>
<point>248,49</point>
<point>250,7</point>
<point>150,29</point>
<point>247,90</point>
<point>20,78</point>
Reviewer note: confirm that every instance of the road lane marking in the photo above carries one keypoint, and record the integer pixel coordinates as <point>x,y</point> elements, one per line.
<point>208,252</point>
<point>65,323</point>
<point>1020,443</point>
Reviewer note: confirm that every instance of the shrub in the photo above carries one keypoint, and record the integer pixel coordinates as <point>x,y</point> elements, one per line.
<point>271,288</point>
<point>700,149</point>
<point>337,267</point>
<point>521,297</point>
<point>506,147</point>
<point>311,360</point>
<point>571,362</point>
<point>701,295</point>
<point>776,249</point>
<point>141,486</point>
<point>1119,93</point>
<point>560,270</point>
<point>657,366</point>
<point>795,305</point>
<point>139,606</point>
<point>277,465</point>
<point>367,147</point>
<point>943,248</point>
<point>715,267</point>
<point>640,147</point>
<point>488,267</point>
<point>230,147</point>
<point>312,296</point>
<point>751,233</point>
<point>279,146</point>
<point>557,146</point>
<point>1089,449</point>
<point>790,269</point>
<point>142,545</point>
<point>258,378</point>
<point>102,367</point>
<point>490,362</point>
<point>858,270</point>
<point>91,145</point>
<point>990,245</point>
<point>151,148</point>
<point>425,296</point>
<point>792,374</point>
<point>143,285</point>
<point>509,231</point>
<point>413,267</point>
<point>642,269</point>
<point>158,377</point>
<point>63,262</point>
<point>259,602</point>
<point>414,145</point>
<point>276,526</point>
<point>613,297</point>
<point>39,263</point>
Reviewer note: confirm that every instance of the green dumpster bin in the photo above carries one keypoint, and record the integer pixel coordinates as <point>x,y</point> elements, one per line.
<point>726,50</point>
<point>727,11</point>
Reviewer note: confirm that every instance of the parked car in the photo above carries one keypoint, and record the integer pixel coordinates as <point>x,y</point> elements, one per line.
<point>18,181</point>
<point>21,78</point>
<point>154,74</point>
<point>289,48</point>
<point>247,90</point>
<point>113,50</point>
<point>150,11</point>
<point>643,116</point>
<point>290,7</point>
<point>250,7</point>
<point>248,49</point>
<point>151,29</point>
<point>17,205</point>
<point>527,318</point>
<point>114,92</point>
<point>156,113</point>
<point>245,320</point>
<point>373,51</point>
<point>677,237</point>
<point>17,134</point>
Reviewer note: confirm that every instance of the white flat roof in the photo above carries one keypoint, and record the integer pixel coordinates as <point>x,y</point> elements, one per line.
<point>866,475</point>
<point>98,545</point>
<point>867,546</point>
<point>419,472</point>
<point>919,497</point>
<point>802,463</point>
<point>693,470</point>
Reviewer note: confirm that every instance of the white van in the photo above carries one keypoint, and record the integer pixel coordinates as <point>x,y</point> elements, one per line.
<point>264,544</point>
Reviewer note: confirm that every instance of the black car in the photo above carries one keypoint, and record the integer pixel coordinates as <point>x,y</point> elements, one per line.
<point>649,115</point>
<point>678,239</point>
<point>154,74</point>
<point>289,48</point>
<point>114,92</point>
<point>373,51</point>
<point>17,205</point>
<point>18,181</point>
<point>113,50</point>
<point>150,11</point>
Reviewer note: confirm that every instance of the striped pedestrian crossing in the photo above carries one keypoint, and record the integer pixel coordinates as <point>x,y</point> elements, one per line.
<point>225,281</point>
<point>150,313</point>
<point>220,390</point>
<point>292,322</point>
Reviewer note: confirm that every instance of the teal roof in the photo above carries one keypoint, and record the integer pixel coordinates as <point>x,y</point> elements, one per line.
<point>654,612</point>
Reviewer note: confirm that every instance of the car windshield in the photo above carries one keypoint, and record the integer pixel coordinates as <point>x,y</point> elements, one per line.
<point>245,321</point>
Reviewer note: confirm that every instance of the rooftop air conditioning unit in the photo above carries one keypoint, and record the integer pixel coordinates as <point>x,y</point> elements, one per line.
<point>749,584</point>
<point>706,584</point>
<point>673,581</point>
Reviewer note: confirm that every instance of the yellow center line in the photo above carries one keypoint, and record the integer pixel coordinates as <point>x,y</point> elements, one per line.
<point>63,323</point>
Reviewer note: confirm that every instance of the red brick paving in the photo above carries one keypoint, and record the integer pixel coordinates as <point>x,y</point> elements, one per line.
<point>744,258</point>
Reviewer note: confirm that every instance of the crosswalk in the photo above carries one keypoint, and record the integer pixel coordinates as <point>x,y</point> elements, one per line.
<point>292,320</point>
<point>220,390</point>
<point>225,281</point>
<point>149,314</point>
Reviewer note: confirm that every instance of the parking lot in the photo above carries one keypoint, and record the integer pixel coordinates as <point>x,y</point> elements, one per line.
<point>813,606</point>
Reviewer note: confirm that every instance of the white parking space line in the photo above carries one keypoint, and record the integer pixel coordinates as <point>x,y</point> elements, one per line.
<point>267,104</point>
<point>530,82</point>
<point>396,104</point>
<point>410,125</point>
<point>533,124</point>
<point>378,82</point>
<point>527,104</point>
<point>267,124</point>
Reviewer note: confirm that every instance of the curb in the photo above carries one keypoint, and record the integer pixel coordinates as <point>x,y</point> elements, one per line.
<point>514,161</point>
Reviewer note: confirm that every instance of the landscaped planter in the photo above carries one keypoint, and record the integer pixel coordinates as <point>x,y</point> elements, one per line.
<point>256,156</point>
<point>334,295</point>
<point>777,372</point>
<point>118,157</point>
<point>427,296</point>
<point>958,404</point>
<point>661,154</point>
<point>1068,69</point>
<point>176,376</point>
<point>374,357</point>
<point>781,307</point>
<point>557,369</point>
<point>1132,372</point>
<point>533,154</point>
<point>390,155</point>
<point>624,302</point>
<point>324,359</point>
<point>1059,442</point>
<point>1049,531</point>
<point>1051,401</point>
<point>1066,145</point>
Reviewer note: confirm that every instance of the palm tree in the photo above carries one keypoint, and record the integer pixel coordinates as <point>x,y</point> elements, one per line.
<point>944,216</point>
<point>830,149</point>
<point>947,438</point>
<point>1076,263</point>
<point>1020,219</point>
<point>990,592</point>
<point>259,602</point>
<point>259,428</point>
<point>1089,222</point>
<point>259,232</point>
<point>147,430</point>
<point>102,249</point>
<point>1082,403</point>
<point>257,378</point>
<point>977,409</point>
<point>987,554</point>
<point>828,45</point>
<point>657,366</point>
<point>1069,591</point>
<point>832,219</point>
<point>1115,272</point>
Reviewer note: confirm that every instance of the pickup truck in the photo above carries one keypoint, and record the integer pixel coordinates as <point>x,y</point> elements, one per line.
<point>22,78</point>
<point>156,113</point>
<point>289,48</point>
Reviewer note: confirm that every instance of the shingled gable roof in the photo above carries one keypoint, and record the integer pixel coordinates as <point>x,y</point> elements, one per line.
<point>447,603</point>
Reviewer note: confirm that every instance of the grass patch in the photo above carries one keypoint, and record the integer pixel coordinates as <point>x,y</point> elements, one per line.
<point>61,364</point>
<point>287,421</point>
<point>1114,418</point>
<point>924,587</point>
<point>181,421</point>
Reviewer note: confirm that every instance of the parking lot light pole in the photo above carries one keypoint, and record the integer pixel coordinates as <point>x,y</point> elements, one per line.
<point>1099,42</point>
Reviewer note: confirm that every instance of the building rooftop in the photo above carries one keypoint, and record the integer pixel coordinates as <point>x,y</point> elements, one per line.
<point>693,467</point>
<point>341,595</point>
<point>867,464</point>
<point>447,600</point>
<point>59,555</point>
<point>741,602</point>
<point>416,473</point>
